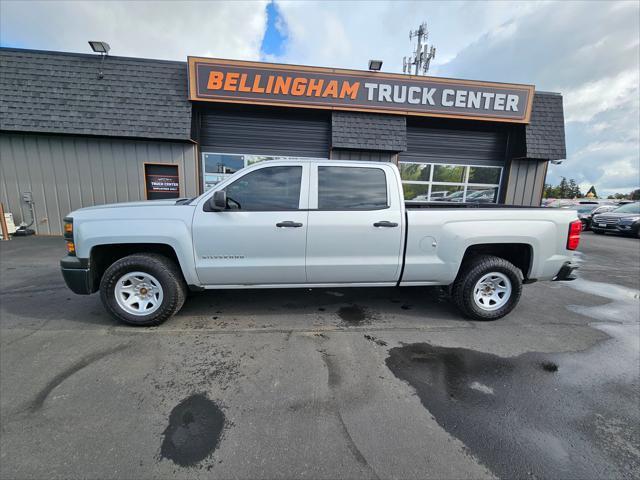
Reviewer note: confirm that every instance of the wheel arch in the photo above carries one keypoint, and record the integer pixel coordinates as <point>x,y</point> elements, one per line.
<point>103,256</point>
<point>519,254</point>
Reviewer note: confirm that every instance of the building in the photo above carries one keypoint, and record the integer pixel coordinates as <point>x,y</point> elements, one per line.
<point>76,132</point>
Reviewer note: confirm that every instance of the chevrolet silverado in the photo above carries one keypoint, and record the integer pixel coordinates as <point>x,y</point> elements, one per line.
<point>312,223</point>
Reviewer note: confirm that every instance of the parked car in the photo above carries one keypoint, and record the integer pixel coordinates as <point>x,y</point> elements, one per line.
<point>587,219</point>
<point>586,211</point>
<point>624,219</point>
<point>304,224</point>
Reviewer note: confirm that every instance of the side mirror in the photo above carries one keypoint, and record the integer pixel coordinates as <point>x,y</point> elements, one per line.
<point>219,200</point>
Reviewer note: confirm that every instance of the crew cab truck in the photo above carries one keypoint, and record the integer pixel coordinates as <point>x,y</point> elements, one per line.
<point>312,223</point>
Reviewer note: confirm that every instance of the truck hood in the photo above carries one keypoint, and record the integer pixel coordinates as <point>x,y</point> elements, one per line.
<point>111,209</point>
<point>144,203</point>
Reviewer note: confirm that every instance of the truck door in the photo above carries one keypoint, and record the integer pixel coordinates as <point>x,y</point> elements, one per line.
<point>355,225</point>
<point>260,238</point>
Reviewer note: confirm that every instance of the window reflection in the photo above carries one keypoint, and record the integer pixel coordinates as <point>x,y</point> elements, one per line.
<point>272,188</point>
<point>447,193</point>
<point>484,175</point>
<point>482,194</point>
<point>449,183</point>
<point>417,192</point>
<point>448,173</point>
<point>347,188</point>
<point>415,171</point>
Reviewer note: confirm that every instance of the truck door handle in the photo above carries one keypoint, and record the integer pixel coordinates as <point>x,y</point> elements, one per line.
<point>384,223</point>
<point>288,224</point>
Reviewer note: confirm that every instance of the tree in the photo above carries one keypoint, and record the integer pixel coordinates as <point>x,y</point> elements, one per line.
<point>592,192</point>
<point>635,195</point>
<point>563,188</point>
<point>574,189</point>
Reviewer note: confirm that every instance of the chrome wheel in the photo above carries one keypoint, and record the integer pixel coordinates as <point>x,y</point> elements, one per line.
<point>492,291</point>
<point>138,293</point>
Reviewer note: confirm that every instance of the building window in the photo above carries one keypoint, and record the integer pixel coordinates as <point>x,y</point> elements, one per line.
<point>435,182</point>
<point>216,167</point>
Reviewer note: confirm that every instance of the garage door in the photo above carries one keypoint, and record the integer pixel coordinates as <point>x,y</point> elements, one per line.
<point>453,164</point>
<point>447,145</point>
<point>273,131</point>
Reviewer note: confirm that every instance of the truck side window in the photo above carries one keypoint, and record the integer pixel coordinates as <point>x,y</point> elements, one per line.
<point>351,188</point>
<point>267,189</point>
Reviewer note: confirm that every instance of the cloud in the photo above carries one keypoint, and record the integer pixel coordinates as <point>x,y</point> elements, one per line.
<point>149,29</point>
<point>347,34</point>
<point>583,103</point>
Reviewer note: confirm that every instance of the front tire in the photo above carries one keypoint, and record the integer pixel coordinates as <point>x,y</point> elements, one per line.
<point>143,289</point>
<point>487,288</point>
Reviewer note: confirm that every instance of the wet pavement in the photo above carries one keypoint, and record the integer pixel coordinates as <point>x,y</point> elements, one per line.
<point>338,383</point>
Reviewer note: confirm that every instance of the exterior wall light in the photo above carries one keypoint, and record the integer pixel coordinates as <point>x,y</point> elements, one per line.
<point>103,49</point>
<point>375,65</point>
<point>99,47</point>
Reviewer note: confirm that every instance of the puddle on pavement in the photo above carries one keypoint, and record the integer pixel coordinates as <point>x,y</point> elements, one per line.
<point>194,430</point>
<point>521,416</point>
<point>353,315</point>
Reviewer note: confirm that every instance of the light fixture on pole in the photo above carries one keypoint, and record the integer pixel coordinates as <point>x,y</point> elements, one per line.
<point>103,49</point>
<point>375,65</point>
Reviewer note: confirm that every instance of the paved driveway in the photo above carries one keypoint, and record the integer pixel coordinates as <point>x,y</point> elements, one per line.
<point>352,383</point>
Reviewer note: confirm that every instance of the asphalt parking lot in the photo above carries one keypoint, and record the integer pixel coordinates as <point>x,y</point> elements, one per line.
<point>351,383</point>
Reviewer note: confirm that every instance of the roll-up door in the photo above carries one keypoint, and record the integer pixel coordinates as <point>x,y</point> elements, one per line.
<point>266,131</point>
<point>474,146</point>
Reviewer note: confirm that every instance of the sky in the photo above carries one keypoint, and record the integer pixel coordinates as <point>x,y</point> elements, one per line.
<point>588,51</point>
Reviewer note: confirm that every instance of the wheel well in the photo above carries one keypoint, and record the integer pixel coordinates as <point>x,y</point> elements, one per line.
<point>103,256</point>
<point>520,254</point>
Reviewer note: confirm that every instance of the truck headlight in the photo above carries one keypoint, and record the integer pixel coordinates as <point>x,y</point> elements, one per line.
<point>629,220</point>
<point>68,236</point>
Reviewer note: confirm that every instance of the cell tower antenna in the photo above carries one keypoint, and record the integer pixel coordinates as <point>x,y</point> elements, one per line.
<point>421,58</point>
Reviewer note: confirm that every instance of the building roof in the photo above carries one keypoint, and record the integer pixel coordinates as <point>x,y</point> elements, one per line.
<point>545,133</point>
<point>368,131</point>
<point>56,92</point>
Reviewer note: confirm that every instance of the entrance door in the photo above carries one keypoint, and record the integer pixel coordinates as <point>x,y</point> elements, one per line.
<point>355,234</point>
<point>260,238</point>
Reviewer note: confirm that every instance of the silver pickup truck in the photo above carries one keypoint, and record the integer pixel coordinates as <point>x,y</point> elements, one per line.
<point>312,223</point>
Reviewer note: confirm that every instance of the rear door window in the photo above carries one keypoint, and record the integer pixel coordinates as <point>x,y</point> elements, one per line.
<point>352,188</point>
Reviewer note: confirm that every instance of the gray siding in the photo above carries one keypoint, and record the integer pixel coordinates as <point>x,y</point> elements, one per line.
<point>363,155</point>
<point>526,182</point>
<point>65,173</point>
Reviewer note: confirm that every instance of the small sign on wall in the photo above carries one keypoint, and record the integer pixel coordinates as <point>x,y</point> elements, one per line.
<point>161,181</point>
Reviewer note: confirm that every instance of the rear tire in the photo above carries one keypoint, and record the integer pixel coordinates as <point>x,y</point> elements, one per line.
<point>487,288</point>
<point>143,289</point>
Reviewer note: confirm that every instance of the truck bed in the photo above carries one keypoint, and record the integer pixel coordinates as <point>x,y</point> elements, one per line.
<point>417,205</point>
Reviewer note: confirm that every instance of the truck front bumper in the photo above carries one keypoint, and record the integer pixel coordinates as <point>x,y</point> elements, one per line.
<point>566,272</point>
<point>77,274</point>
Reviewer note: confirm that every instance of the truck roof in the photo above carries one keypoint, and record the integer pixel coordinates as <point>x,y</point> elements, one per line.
<point>297,161</point>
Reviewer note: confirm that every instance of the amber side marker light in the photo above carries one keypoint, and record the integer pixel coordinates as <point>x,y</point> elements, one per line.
<point>71,248</point>
<point>573,240</point>
<point>68,236</point>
